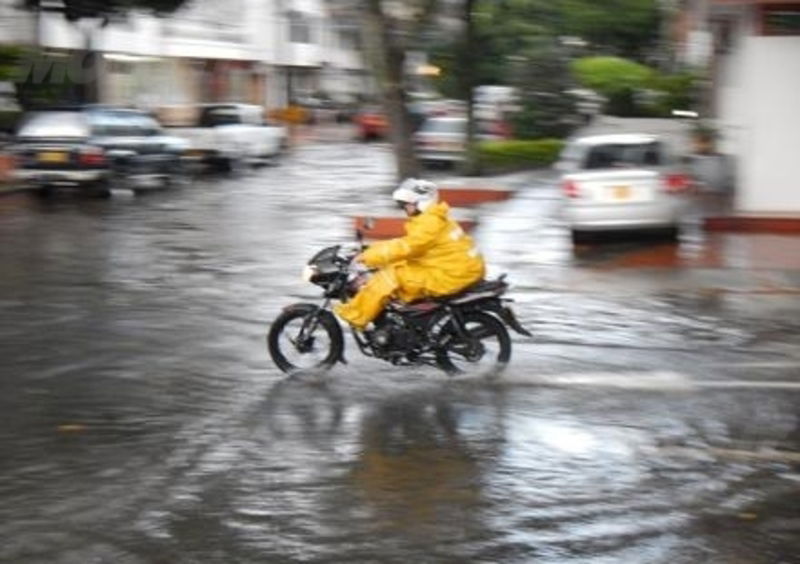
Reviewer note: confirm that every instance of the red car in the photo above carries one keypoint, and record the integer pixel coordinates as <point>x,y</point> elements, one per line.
<point>371,124</point>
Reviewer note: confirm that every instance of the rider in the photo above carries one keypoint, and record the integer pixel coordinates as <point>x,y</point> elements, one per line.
<point>435,258</point>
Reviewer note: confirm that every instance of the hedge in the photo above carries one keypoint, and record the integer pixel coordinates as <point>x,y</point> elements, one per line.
<point>519,154</point>
<point>8,121</point>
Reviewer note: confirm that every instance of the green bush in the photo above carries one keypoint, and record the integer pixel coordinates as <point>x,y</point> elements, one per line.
<point>611,75</point>
<point>519,154</point>
<point>8,121</point>
<point>677,92</point>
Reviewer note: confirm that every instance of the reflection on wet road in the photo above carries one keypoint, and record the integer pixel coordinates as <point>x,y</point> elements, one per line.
<point>142,421</point>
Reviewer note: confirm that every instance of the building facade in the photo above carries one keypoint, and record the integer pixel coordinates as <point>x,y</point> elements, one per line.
<point>252,51</point>
<point>752,55</point>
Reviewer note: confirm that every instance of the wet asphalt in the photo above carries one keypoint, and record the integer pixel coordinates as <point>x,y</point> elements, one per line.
<point>653,418</point>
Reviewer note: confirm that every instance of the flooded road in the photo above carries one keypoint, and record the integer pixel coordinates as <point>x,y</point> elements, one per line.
<point>653,418</point>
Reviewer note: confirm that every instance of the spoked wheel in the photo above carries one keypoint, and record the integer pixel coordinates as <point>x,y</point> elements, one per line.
<point>305,339</point>
<point>484,348</point>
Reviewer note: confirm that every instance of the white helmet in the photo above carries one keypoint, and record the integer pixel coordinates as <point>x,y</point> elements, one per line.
<point>422,193</point>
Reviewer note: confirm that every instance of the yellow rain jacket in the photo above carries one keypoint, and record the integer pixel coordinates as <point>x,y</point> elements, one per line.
<point>435,258</point>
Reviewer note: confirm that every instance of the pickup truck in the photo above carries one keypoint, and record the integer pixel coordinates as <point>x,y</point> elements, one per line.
<point>226,136</point>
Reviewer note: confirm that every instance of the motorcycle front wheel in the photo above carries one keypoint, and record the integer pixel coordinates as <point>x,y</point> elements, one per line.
<point>484,347</point>
<point>305,339</point>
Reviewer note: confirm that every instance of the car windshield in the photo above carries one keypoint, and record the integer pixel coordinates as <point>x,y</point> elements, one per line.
<point>220,115</point>
<point>116,123</point>
<point>615,155</point>
<point>445,126</point>
<point>58,125</point>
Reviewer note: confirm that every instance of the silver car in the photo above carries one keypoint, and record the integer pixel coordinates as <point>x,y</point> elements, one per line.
<point>622,182</point>
<point>443,139</point>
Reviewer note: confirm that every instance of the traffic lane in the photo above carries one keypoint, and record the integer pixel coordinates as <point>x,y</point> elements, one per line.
<point>391,466</point>
<point>134,335</point>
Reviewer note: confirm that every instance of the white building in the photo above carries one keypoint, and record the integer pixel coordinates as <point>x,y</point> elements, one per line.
<point>755,70</point>
<point>256,51</point>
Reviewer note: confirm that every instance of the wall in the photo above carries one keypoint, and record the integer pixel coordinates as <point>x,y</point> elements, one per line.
<point>16,26</point>
<point>769,169</point>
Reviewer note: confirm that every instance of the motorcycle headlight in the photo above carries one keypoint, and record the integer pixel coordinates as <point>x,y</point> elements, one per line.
<point>308,273</point>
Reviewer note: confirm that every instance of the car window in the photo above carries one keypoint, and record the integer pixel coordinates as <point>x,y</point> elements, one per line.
<point>146,125</point>
<point>614,155</point>
<point>115,124</point>
<point>219,115</point>
<point>54,125</point>
<point>445,126</point>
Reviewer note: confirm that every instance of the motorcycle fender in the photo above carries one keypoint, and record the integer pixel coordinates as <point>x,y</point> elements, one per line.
<point>307,309</point>
<point>303,307</point>
<point>507,314</point>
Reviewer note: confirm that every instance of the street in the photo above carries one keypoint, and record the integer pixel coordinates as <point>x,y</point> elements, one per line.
<point>653,418</point>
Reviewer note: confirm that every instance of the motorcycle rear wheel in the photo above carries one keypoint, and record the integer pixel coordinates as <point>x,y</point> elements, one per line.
<point>487,349</point>
<point>292,351</point>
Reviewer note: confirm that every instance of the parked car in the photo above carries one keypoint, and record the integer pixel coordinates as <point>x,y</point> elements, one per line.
<point>93,148</point>
<point>443,139</point>
<point>622,182</point>
<point>371,124</point>
<point>228,135</point>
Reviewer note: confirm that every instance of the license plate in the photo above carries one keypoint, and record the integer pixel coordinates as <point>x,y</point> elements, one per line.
<point>53,157</point>
<point>621,192</point>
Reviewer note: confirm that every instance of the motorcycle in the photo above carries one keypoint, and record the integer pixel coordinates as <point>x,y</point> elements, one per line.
<point>456,333</point>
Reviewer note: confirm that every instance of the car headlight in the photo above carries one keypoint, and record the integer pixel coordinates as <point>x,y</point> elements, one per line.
<point>309,272</point>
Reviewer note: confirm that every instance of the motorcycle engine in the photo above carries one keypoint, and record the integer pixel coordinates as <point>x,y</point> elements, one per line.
<point>392,334</point>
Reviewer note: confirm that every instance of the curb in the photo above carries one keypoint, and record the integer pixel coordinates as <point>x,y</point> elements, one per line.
<point>389,227</point>
<point>468,196</point>
<point>754,224</point>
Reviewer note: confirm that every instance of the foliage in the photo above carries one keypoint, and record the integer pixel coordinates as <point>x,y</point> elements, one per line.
<point>611,75</point>
<point>10,57</point>
<point>8,121</point>
<point>633,89</point>
<point>518,154</point>
<point>107,9</point>
<point>628,28</point>
<point>675,91</point>
<point>503,31</point>
<point>542,78</point>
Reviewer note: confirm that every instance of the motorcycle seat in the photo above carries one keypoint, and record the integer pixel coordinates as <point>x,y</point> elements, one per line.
<point>479,290</point>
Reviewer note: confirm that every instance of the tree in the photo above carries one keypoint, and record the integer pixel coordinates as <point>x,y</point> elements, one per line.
<point>543,79</point>
<point>610,75</point>
<point>628,28</point>
<point>515,42</point>
<point>391,29</point>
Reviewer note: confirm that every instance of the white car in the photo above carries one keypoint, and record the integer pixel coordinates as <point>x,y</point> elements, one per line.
<point>227,135</point>
<point>444,139</point>
<point>622,182</point>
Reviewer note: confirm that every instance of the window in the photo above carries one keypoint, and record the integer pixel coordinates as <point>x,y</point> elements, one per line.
<point>115,124</point>
<point>615,155</point>
<point>299,28</point>
<point>219,115</point>
<point>445,126</point>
